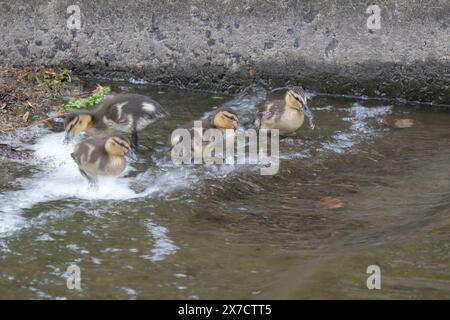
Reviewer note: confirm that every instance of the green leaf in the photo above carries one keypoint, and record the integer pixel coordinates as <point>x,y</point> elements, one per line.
<point>87,103</point>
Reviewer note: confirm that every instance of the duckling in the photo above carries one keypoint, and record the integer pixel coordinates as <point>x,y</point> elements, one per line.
<point>125,113</point>
<point>222,119</point>
<point>286,116</point>
<point>97,157</point>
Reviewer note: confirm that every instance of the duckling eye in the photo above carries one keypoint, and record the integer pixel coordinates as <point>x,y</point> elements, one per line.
<point>296,97</point>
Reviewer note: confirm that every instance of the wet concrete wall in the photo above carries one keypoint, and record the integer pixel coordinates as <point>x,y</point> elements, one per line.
<point>324,45</point>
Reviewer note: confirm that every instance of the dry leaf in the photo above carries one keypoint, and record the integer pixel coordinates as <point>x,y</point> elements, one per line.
<point>98,88</point>
<point>50,73</point>
<point>331,203</point>
<point>26,116</point>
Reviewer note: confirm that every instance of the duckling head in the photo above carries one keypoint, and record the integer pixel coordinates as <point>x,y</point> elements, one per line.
<point>226,119</point>
<point>117,145</point>
<point>75,123</point>
<point>297,99</point>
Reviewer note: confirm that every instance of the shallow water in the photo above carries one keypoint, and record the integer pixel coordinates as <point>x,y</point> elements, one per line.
<point>162,231</point>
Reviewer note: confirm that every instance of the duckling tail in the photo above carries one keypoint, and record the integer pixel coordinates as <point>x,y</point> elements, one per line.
<point>155,111</point>
<point>161,113</point>
<point>164,112</point>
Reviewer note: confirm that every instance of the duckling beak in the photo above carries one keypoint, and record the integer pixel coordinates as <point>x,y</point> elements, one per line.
<point>308,114</point>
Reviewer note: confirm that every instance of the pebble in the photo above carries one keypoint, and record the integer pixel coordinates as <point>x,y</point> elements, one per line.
<point>404,123</point>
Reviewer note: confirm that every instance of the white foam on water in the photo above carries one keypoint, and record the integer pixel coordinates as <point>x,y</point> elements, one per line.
<point>45,237</point>
<point>137,81</point>
<point>326,109</point>
<point>296,155</point>
<point>130,292</point>
<point>59,178</point>
<point>360,128</point>
<point>9,223</point>
<point>360,114</point>
<point>164,246</point>
<point>248,98</point>
<point>244,103</point>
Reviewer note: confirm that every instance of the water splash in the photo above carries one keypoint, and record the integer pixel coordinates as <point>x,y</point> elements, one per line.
<point>360,128</point>
<point>137,81</point>
<point>245,103</point>
<point>163,246</point>
<point>248,98</point>
<point>58,178</point>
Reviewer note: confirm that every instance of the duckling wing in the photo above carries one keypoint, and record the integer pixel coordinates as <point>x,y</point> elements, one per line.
<point>270,112</point>
<point>265,115</point>
<point>127,112</point>
<point>78,156</point>
<point>88,151</point>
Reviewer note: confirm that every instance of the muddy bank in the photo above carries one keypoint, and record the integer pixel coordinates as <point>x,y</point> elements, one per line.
<point>33,98</point>
<point>323,45</point>
<point>32,94</point>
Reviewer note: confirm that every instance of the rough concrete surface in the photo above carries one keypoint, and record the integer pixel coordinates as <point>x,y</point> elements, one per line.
<point>220,44</point>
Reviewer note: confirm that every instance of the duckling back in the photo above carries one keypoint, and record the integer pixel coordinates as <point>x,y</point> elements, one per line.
<point>129,113</point>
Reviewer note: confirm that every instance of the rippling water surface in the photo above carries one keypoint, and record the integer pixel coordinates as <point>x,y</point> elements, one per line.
<point>354,192</point>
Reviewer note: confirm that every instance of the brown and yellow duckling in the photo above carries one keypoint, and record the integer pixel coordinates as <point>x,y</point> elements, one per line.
<point>286,116</point>
<point>124,113</point>
<point>98,157</point>
<point>222,119</point>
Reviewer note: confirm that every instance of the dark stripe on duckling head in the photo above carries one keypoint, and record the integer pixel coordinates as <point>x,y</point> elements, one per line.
<point>121,143</point>
<point>74,123</point>
<point>225,118</point>
<point>231,116</point>
<point>226,111</point>
<point>76,115</point>
<point>71,116</point>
